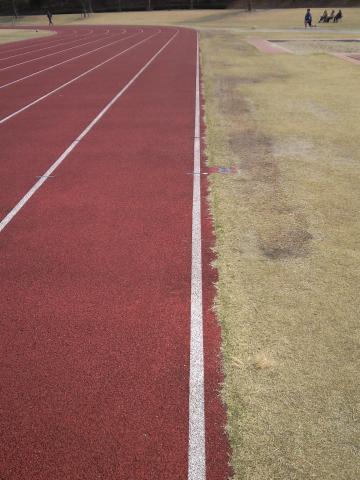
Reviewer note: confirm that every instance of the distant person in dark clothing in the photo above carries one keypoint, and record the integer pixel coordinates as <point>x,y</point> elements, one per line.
<point>49,16</point>
<point>308,18</point>
<point>338,16</point>
<point>331,16</point>
<point>323,17</point>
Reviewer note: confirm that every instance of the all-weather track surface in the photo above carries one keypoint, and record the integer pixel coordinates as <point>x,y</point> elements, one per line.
<point>97,201</point>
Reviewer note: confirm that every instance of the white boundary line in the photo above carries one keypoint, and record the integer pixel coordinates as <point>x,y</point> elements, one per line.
<point>76,142</point>
<point>102,37</point>
<point>34,102</point>
<point>68,60</point>
<point>196,453</point>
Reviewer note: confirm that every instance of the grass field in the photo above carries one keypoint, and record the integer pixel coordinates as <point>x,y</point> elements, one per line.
<point>290,19</point>
<point>14,35</point>
<point>287,237</point>
<point>287,243</point>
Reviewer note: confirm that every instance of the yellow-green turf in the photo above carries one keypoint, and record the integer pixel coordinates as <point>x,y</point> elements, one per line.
<point>9,35</point>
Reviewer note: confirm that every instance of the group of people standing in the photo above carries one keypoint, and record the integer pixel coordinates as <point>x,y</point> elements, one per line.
<point>325,18</point>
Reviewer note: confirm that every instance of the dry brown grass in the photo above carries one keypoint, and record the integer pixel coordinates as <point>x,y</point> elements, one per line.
<point>40,20</point>
<point>12,35</point>
<point>237,19</point>
<point>275,20</point>
<point>287,249</point>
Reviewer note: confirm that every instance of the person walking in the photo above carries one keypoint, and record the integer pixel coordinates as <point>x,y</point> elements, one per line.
<point>49,16</point>
<point>308,18</point>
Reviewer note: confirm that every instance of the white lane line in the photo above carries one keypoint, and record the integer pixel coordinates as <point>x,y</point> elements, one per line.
<point>40,49</point>
<point>196,454</point>
<point>71,147</point>
<point>68,60</point>
<point>36,42</point>
<point>40,99</point>
<point>33,44</point>
<point>54,53</point>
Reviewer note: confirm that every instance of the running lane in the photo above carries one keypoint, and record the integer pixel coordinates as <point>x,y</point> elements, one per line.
<point>20,54</point>
<point>39,59</point>
<point>40,82</point>
<point>60,35</point>
<point>96,275</point>
<point>25,45</point>
<point>61,117</point>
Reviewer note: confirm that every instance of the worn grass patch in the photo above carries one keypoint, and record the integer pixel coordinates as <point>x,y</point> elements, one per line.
<point>13,35</point>
<point>287,244</point>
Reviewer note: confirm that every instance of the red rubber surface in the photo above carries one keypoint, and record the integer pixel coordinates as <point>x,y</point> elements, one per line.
<point>355,56</point>
<point>9,59</point>
<point>95,273</point>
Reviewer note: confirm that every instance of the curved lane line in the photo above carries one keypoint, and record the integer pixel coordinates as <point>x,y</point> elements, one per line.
<point>68,60</point>
<point>38,41</point>
<point>34,43</point>
<point>51,54</point>
<point>40,49</point>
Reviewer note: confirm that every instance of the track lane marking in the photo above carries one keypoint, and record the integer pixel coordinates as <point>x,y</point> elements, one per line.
<point>35,48</point>
<point>51,54</point>
<point>68,60</point>
<point>33,42</point>
<point>43,97</point>
<point>44,48</point>
<point>62,34</point>
<point>5,221</point>
<point>196,452</point>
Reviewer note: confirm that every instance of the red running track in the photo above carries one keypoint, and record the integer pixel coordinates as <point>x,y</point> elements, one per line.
<point>37,43</point>
<point>96,270</point>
